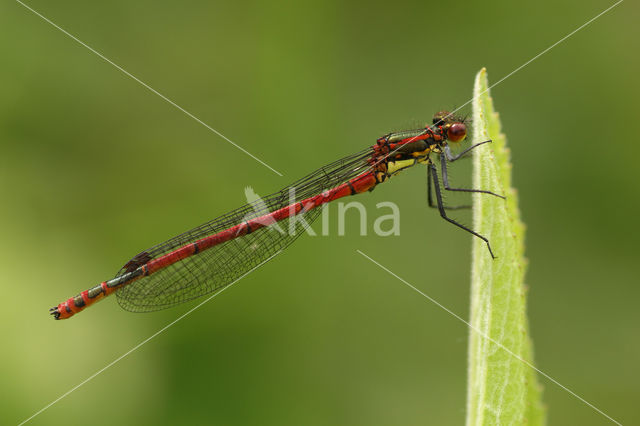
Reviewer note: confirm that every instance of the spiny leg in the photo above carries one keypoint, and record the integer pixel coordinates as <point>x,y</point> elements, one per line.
<point>430,197</point>
<point>443,214</point>
<point>445,181</point>
<point>453,158</point>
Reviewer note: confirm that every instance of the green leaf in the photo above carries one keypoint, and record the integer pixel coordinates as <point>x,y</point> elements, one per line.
<point>502,388</point>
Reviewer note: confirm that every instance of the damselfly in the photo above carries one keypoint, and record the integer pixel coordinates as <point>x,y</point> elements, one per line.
<point>208,258</point>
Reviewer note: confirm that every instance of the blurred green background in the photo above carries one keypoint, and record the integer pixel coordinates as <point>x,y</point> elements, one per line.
<point>94,168</point>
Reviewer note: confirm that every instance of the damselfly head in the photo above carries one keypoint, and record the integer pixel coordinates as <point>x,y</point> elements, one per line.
<point>453,126</point>
<point>442,117</point>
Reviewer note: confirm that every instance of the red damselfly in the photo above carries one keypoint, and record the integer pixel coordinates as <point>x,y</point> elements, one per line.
<point>208,258</point>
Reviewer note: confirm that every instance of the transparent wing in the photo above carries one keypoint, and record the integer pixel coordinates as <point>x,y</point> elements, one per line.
<point>217,267</point>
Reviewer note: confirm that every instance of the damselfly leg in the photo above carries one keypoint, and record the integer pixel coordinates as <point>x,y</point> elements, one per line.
<point>445,180</point>
<point>447,155</point>
<point>453,158</point>
<point>436,184</point>
<point>430,197</point>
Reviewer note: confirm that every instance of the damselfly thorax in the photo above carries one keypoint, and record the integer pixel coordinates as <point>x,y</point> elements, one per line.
<point>400,150</point>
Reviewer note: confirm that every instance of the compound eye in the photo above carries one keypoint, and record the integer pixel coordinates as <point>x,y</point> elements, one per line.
<point>457,132</point>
